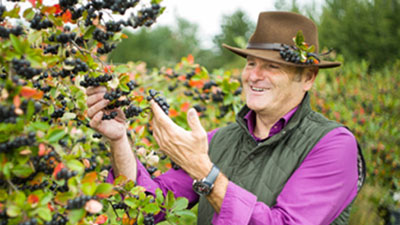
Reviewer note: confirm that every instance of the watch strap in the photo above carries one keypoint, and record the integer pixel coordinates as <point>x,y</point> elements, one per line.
<point>212,176</point>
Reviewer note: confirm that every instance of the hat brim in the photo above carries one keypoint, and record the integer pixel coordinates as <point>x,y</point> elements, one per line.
<point>274,56</point>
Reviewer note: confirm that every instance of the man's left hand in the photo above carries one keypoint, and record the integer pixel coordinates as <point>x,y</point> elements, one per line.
<point>188,149</point>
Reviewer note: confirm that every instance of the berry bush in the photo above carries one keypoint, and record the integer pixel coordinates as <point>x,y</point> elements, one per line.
<point>53,166</point>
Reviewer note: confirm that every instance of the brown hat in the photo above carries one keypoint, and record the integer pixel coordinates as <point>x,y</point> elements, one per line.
<point>275,32</point>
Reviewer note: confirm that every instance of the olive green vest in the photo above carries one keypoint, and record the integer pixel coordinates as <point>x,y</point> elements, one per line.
<point>264,168</point>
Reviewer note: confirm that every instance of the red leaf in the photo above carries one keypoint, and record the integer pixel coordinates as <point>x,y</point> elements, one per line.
<point>185,106</point>
<point>33,199</point>
<point>173,113</point>
<point>190,59</point>
<point>101,219</point>
<point>42,149</point>
<point>17,101</point>
<point>50,206</point>
<point>29,92</point>
<point>196,83</point>
<point>57,169</point>
<point>89,178</point>
<point>66,16</point>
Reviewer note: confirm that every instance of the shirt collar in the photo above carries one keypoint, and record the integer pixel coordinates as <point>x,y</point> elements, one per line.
<point>250,119</point>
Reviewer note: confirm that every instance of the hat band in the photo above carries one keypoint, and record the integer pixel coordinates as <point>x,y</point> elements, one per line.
<point>265,46</point>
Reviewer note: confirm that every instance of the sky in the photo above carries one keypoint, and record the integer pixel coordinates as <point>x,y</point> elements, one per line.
<point>208,13</point>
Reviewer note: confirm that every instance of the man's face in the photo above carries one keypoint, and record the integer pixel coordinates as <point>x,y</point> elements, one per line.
<point>269,87</point>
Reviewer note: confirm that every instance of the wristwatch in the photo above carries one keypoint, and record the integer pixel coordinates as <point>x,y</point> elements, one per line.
<point>203,187</point>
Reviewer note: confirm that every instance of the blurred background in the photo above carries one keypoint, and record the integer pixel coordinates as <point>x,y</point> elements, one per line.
<point>363,94</point>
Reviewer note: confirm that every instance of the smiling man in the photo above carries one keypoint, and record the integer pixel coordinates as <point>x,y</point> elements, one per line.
<point>280,163</point>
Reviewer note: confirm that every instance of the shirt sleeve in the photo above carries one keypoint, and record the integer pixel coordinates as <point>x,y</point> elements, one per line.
<point>177,181</point>
<point>317,192</point>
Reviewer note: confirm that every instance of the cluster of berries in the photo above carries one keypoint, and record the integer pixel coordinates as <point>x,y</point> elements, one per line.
<point>57,219</point>
<point>93,164</point>
<point>120,205</point>
<point>218,96</point>
<point>110,116</point>
<point>7,114</point>
<point>39,23</point>
<point>79,65</point>
<point>63,37</point>
<point>113,94</point>
<point>95,81</point>
<point>35,187</point>
<point>118,103</point>
<point>2,10</point>
<point>146,16</point>
<point>5,32</point>
<point>23,67</point>
<point>52,49</point>
<point>106,48</point>
<point>58,113</point>
<point>148,219</point>
<point>132,111</point>
<point>19,141</point>
<point>161,101</point>
<point>64,173</point>
<point>3,217</point>
<point>131,85</point>
<point>208,85</point>
<point>65,4</point>
<point>101,36</point>
<point>292,54</point>
<point>112,26</point>
<point>79,202</point>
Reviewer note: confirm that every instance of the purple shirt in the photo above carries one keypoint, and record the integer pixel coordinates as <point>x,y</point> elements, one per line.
<point>317,192</point>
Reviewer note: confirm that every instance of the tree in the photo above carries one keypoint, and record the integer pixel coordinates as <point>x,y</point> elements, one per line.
<point>161,46</point>
<point>362,30</point>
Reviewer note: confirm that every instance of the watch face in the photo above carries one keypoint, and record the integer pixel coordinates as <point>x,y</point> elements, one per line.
<point>201,188</point>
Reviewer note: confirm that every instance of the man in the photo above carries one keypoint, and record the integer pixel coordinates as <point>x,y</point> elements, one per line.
<point>280,163</point>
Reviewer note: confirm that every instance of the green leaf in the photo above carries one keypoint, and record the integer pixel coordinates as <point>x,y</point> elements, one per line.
<point>14,13</point>
<point>159,196</point>
<point>180,203</point>
<point>88,188</point>
<point>55,135</point>
<point>104,188</point>
<point>122,69</point>
<point>76,215</point>
<point>151,208</point>
<point>29,14</point>
<point>13,210</point>
<point>299,38</point>
<point>131,202</point>
<point>43,126</point>
<point>17,44</point>
<point>129,185</point>
<point>170,200</point>
<point>186,216</point>
<point>46,198</point>
<point>7,170</point>
<point>3,195</point>
<point>44,213</point>
<point>22,171</point>
<point>89,32</point>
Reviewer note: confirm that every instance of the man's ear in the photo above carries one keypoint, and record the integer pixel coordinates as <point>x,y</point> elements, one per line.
<point>310,75</point>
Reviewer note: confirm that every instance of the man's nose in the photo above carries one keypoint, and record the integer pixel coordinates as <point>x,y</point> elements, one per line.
<point>256,73</point>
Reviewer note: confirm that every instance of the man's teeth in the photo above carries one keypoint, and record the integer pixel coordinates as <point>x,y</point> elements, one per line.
<point>258,89</point>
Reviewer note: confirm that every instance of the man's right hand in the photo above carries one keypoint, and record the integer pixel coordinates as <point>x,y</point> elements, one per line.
<point>113,129</point>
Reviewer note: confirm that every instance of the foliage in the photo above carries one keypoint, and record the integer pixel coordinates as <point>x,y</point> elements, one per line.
<point>160,46</point>
<point>368,104</point>
<point>164,46</point>
<point>362,30</point>
<point>52,164</point>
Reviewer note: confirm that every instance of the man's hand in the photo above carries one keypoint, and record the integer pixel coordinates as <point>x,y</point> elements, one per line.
<point>188,149</point>
<point>113,129</point>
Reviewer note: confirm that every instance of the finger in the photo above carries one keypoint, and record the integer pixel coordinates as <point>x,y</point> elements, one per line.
<point>97,107</point>
<point>94,98</point>
<point>158,113</point>
<point>194,122</point>
<point>94,90</point>
<point>96,120</point>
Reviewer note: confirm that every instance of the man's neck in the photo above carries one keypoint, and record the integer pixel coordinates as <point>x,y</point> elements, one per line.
<point>266,120</point>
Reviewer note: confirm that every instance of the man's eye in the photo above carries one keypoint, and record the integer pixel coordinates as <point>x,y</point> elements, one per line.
<point>274,66</point>
<point>251,63</point>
